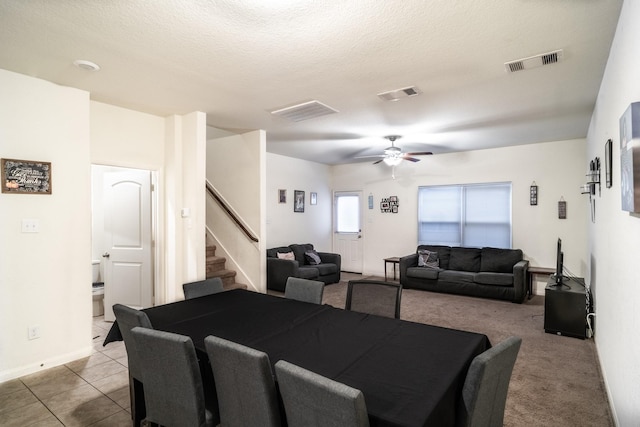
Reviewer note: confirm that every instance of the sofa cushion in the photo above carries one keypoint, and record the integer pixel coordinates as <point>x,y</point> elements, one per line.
<point>308,273</point>
<point>326,268</point>
<point>428,259</point>
<point>465,259</point>
<point>299,250</point>
<point>286,255</point>
<point>496,279</point>
<point>443,253</point>
<point>499,260</point>
<point>423,273</point>
<point>312,257</point>
<point>456,276</point>
<point>273,252</point>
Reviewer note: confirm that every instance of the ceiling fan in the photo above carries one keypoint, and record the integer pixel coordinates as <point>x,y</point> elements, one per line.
<point>393,155</point>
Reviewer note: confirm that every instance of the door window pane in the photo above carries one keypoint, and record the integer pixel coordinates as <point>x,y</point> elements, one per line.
<point>347,214</point>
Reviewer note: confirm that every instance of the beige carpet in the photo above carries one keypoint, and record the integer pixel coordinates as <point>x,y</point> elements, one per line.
<point>556,380</point>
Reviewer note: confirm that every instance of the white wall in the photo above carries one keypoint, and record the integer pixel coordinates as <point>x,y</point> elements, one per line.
<point>284,226</point>
<point>45,277</point>
<point>614,239</point>
<point>558,168</point>
<point>236,167</point>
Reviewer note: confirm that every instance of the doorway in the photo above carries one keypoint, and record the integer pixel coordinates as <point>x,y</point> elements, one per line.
<point>123,234</point>
<point>347,233</point>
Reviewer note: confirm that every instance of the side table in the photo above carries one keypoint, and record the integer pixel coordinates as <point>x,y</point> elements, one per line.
<point>393,260</point>
<point>531,271</point>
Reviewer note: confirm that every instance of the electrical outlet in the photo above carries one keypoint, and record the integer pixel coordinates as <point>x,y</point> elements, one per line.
<point>30,226</point>
<point>34,332</point>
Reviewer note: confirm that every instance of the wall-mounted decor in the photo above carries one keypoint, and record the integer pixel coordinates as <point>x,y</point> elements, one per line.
<point>608,162</point>
<point>630,158</point>
<point>370,201</point>
<point>282,196</point>
<point>389,205</point>
<point>298,201</point>
<point>26,177</point>
<point>562,209</point>
<point>533,194</point>
<point>313,198</point>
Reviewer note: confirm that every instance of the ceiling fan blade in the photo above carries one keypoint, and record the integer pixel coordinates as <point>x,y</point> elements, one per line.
<point>421,153</point>
<point>370,157</point>
<point>411,159</point>
<point>377,161</point>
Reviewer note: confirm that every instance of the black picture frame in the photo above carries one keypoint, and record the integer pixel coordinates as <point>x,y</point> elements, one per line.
<point>608,163</point>
<point>298,201</point>
<point>282,196</point>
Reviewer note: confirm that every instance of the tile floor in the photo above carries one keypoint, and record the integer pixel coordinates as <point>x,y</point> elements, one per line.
<point>88,392</point>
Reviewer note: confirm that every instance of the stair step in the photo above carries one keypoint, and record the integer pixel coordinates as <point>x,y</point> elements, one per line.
<point>228,277</point>
<point>215,263</point>
<point>211,250</point>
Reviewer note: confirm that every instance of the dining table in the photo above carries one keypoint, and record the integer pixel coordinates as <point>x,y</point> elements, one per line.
<point>411,374</point>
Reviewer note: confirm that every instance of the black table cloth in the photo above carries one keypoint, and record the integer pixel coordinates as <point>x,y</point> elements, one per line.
<point>411,374</point>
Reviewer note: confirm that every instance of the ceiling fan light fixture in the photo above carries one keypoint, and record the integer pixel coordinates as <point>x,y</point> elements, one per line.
<point>392,160</point>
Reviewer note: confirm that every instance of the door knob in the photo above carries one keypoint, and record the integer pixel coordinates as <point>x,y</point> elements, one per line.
<point>106,255</point>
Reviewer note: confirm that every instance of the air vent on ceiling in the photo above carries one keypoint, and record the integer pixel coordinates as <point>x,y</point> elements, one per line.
<point>394,95</point>
<point>304,111</point>
<point>534,61</point>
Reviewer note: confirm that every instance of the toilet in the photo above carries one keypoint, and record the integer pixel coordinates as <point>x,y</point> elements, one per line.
<point>97,288</point>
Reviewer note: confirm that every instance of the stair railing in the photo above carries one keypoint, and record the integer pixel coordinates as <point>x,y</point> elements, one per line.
<point>225,207</point>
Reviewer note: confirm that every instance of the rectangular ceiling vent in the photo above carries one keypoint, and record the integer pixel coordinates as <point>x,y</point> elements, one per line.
<point>394,95</point>
<point>304,111</point>
<point>534,61</point>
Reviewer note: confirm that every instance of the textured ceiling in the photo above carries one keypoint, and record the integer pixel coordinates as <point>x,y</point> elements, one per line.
<point>237,60</point>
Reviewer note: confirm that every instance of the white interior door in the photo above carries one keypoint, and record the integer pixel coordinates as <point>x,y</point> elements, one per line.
<point>347,235</point>
<point>127,237</point>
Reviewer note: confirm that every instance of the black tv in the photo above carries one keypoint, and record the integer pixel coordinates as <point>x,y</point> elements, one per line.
<point>559,259</point>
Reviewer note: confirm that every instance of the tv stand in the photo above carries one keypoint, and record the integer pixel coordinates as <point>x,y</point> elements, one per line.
<point>565,307</point>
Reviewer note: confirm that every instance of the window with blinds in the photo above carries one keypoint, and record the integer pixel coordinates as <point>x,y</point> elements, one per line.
<point>470,215</point>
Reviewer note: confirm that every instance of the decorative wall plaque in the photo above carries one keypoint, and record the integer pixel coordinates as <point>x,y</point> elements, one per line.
<point>26,177</point>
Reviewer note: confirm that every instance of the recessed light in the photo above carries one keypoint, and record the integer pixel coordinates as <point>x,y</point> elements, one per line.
<point>86,65</point>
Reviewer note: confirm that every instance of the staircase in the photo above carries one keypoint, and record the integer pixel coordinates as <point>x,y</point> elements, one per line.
<point>216,268</point>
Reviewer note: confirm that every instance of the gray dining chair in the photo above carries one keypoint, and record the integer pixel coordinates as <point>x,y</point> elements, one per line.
<point>201,288</point>
<point>173,389</point>
<point>484,393</point>
<point>312,400</point>
<point>245,387</point>
<point>374,297</point>
<point>304,290</point>
<point>127,319</point>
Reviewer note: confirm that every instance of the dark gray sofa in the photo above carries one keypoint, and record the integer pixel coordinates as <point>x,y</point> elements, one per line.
<point>278,270</point>
<point>486,272</point>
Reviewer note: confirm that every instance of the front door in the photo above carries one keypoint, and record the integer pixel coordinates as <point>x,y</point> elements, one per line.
<point>347,236</point>
<point>127,238</point>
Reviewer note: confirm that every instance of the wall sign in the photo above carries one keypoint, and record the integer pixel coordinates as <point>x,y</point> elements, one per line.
<point>533,194</point>
<point>390,204</point>
<point>26,177</point>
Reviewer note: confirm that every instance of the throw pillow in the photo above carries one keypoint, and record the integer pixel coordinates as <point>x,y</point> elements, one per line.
<point>428,259</point>
<point>312,257</point>
<point>286,255</point>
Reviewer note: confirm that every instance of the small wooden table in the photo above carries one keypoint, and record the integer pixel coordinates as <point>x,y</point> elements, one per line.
<point>393,260</point>
<point>533,270</point>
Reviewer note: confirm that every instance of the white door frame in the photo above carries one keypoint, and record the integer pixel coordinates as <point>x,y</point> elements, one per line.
<point>349,245</point>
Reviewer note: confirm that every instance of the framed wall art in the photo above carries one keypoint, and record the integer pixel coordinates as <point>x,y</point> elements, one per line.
<point>26,177</point>
<point>298,201</point>
<point>608,162</point>
<point>313,198</point>
<point>282,196</point>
